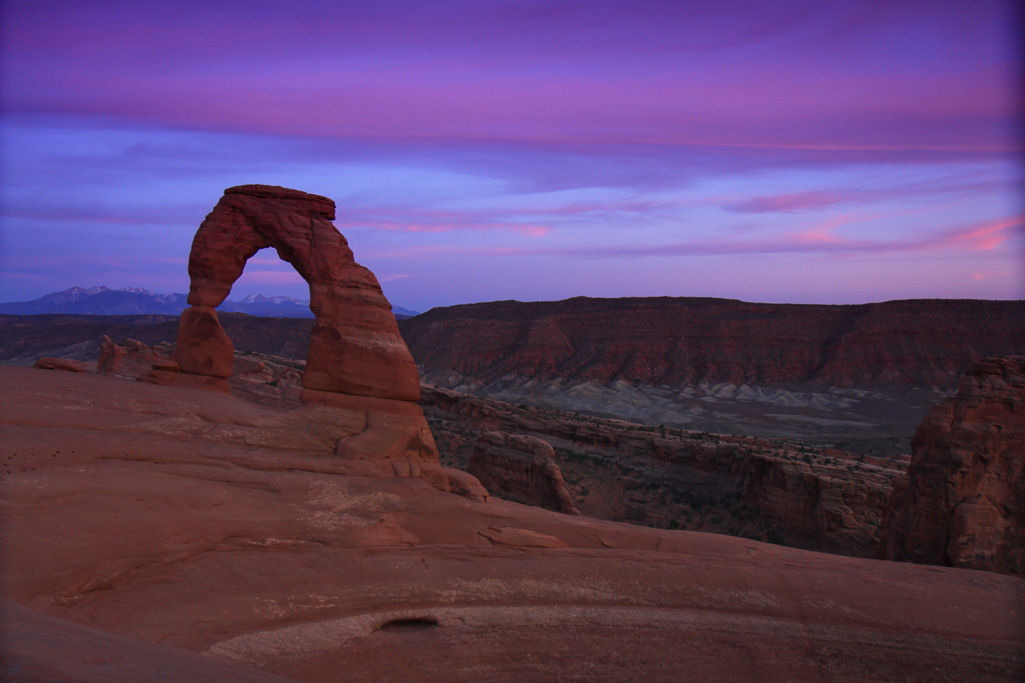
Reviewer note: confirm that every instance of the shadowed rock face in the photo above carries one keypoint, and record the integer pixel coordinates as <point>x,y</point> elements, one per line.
<point>355,347</point>
<point>963,501</point>
<point>523,469</point>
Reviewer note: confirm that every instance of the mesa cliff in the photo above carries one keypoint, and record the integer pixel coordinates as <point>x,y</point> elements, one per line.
<point>779,370</point>
<point>962,503</point>
<point>688,341</point>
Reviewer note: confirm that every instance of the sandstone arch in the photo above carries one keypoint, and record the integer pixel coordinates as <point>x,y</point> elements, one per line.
<point>355,346</point>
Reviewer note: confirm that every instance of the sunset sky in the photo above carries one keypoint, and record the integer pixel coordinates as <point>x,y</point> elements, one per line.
<point>788,151</point>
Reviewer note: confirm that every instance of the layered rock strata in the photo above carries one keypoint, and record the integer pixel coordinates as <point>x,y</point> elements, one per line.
<point>962,503</point>
<point>521,468</point>
<point>821,499</point>
<point>690,341</point>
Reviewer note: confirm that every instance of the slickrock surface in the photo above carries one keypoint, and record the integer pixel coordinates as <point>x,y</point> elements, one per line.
<point>963,502</point>
<point>521,468</point>
<point>819,499</point>
<point>178,518</point>
<point>355,347</point>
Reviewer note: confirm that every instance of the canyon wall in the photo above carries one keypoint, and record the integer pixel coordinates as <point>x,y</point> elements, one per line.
<point>671,478</point>
<point>688,341</point>
<point>522,469</point>
<point>962,503</point>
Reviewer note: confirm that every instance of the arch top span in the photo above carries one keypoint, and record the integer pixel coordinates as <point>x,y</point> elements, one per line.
<point>355,346</point>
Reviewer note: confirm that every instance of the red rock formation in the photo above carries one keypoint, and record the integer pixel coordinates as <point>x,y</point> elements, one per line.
<point>144,522</point>
<point>133,359</point>
<point>521,468</point>
<point>60,364</point>
<point>357,366</point>
<point>963,501</point>
<point>687,341</point>
<point>824,500</point>
<point>355,347</point>
<point>260,378</point>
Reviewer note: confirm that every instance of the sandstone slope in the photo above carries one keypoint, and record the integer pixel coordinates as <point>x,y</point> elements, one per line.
<point>173,517</point>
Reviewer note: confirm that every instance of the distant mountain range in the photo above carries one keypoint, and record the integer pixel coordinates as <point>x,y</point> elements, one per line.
<point>138,301</point>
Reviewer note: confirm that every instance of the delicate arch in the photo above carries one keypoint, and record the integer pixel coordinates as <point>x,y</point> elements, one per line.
<point>355,346</point>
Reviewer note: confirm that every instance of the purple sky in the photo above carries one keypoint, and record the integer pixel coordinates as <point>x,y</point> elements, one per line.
<point>794,151</point>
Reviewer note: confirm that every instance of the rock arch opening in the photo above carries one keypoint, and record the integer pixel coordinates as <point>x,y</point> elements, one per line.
<point>355,346</point>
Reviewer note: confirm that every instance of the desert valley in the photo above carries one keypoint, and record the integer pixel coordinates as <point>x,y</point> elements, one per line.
<point>589,489</point>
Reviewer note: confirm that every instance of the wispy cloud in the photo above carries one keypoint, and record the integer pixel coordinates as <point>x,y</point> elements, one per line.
<point>818,239</point>
<point>787,202</point>
<point>983,237</point>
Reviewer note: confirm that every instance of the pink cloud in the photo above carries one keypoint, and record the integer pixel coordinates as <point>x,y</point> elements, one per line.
<point>467,224</point>
<point>560,73</point>
<point>984,237</point>
<point>818,239</point>
<point>787,202</point>
<point>822,233</point>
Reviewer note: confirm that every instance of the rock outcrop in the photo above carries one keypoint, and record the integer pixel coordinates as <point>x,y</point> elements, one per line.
<point>521,468</point>
<point>357,364</point>
<point>256,377</point>
<point>962,503</point>
<point>69,364</point>
<point>132,359</point>
<point>355,347</point>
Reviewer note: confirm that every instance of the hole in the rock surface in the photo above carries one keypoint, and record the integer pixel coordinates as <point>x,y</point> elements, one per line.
<point>417,624</point>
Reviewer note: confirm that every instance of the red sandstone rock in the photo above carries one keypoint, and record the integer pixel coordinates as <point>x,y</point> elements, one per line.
<point>177,520</point>
<point>687,341</point>
<point>59,364</point>
<point>202,347</point>
<point>824,500</point>
<point>466,485</point>
<point>509,537</point>
<point>355,347</point>
<point>521,468</point>
<point>133,359</point>
<point>357,362</point>
<point>111,356</point>
<point>963,503</point>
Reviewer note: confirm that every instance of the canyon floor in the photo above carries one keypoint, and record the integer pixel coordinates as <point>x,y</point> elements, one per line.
<point>165,533</point>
